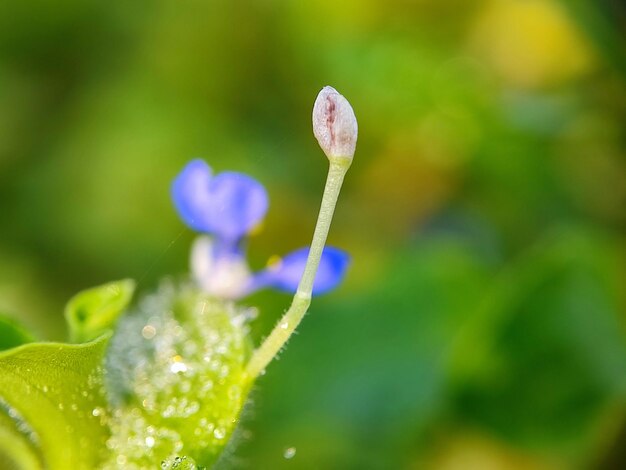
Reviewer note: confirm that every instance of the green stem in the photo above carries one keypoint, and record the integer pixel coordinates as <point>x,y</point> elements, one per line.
<point>302,299</point>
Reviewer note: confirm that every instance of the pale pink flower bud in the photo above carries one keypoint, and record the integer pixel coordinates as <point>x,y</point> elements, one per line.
<point>334,124</point>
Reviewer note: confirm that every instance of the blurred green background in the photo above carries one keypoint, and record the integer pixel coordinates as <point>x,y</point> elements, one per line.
<point>482,324</point>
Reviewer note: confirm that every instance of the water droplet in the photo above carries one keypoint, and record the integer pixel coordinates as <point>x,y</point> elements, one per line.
<point>45,389</point>
<point>97,411</point>
<point>150,441</point>
<point>193,407</point>
<point>219,433</point>
<point>148,332</point>
<point>284,325</point>
<point>178,367</point>
<point>289,453</point>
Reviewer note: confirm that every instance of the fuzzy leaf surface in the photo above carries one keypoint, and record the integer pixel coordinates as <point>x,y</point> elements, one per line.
<point>49,393</point>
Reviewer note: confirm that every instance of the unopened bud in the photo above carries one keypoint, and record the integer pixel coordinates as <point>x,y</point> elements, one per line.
<point>334,124</point>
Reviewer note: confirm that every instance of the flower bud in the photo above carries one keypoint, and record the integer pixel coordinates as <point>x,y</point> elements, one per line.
<point>334,124</point>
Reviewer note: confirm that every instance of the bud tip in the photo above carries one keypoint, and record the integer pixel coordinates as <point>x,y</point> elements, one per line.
<point>334,124</point>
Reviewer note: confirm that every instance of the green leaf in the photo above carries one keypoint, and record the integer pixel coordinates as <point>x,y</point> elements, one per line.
<point>12,334</point>
<point>53,395</point>
<point>94,311</point>
<point>542,362</point>
<point>176,377</point>
<point>17,449</point>
<point>602,27</point>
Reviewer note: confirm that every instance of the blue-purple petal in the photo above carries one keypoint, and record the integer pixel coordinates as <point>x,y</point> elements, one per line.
<point>227,205</point>
<point>238,203</point>
<point>286,274</point>
<point>190,193</point>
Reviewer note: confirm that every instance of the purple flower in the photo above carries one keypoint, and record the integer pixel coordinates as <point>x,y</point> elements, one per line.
<point>225,208</point>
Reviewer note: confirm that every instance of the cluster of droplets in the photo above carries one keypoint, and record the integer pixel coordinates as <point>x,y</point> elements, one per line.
<point>180,463</point>
<point>19,423</point>
<point>177,379</point>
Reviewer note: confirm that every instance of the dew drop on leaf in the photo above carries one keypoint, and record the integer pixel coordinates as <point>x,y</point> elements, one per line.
<point>148,332</point>
<point>187,384</point>
<point>219,433</point>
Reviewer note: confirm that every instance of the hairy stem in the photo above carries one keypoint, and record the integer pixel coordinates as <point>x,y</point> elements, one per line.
<point>302,299</point>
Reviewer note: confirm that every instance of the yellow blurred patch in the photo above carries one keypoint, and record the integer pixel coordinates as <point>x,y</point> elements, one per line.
<point>274,262</point>
<point>530,43</point>
<point>477,452</point>
<point>256,229</point>
<point>408,181</point>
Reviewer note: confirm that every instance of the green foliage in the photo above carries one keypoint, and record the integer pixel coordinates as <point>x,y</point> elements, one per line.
<point>52,393</point>
<point>12,334</point>
<point>17,450</point>
<point>489,121</point>
<point>176,379</point>
<point>94,311</point>
<point>50,396</point>
<point>367,372</point>
<point>548,338</point>
<point>533,354</point>
<point>175,385</point>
